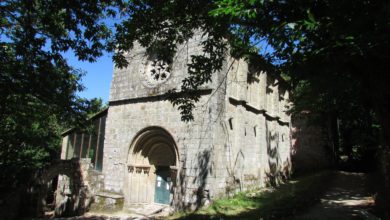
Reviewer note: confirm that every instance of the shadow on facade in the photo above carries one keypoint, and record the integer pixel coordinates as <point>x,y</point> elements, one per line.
<point>199,196</point>
<point>194,190</point>
<point>279,171</point>
<point>204,170</point>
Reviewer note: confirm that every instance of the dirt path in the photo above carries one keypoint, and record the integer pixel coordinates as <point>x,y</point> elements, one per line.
<point>346,199</point>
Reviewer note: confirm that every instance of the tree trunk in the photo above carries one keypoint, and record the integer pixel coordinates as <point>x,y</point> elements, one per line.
<point>333,136</point>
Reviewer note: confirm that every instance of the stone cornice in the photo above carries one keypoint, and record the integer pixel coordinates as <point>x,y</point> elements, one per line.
<point>154,98</point>
<point>271,117</point>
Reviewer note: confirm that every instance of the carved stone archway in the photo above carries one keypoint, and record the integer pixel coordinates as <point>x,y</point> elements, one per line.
<point>153,151</point>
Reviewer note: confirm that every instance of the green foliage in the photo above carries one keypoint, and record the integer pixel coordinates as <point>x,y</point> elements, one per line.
<point>199,69</point>
<point>37,86</point>
<point>160,26</point>
<point>321,42</point>
<point>331,53</point>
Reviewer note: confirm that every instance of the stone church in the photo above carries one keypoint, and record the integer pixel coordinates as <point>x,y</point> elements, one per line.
<point>144,154</point>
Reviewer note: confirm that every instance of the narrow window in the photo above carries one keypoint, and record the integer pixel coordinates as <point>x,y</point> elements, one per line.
<point>231,123</point>
<point>254,131</point>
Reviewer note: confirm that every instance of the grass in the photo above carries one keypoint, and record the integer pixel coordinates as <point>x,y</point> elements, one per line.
<point>278,203</point>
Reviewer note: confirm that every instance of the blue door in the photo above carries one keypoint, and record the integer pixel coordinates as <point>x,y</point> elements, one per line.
<point>163,186</point>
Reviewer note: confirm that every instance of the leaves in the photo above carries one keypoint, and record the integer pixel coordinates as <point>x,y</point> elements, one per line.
<point>37,86</point>
<point>161,26</point>
<point>332,54</point>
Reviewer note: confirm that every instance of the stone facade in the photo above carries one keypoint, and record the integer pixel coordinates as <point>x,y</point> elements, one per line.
<point>240,137</point>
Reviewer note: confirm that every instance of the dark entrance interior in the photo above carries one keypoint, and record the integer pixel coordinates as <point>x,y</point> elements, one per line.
<point>50,200</point>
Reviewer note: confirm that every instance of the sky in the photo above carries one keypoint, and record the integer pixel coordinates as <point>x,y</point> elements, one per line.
<point>98,76</point>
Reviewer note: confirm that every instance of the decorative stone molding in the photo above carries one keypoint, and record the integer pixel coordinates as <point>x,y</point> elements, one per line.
<point>256,110</point>
<point>138,169</point>
<point>156,72</point>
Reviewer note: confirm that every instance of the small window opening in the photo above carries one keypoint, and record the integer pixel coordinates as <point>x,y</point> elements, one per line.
<point>231,123</point>
<point>254,131</point>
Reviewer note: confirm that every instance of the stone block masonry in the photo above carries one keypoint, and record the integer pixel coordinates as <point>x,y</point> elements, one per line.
<point>240,137</point>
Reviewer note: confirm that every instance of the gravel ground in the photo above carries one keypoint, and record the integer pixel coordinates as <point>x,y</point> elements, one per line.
<point>346,199</point>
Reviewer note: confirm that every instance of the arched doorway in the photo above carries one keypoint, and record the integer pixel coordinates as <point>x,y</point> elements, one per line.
<point>152,168</point>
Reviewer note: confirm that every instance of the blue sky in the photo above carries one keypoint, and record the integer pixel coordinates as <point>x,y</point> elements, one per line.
<point>98,75</point>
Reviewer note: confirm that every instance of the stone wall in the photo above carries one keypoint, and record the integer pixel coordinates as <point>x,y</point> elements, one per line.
<point>310,150</point>
<point>259,125</point>
<point>77,185</point>
<point>240,137</point>
<point>136,104</point>
<point>194,140</point>
<point>137,81</point>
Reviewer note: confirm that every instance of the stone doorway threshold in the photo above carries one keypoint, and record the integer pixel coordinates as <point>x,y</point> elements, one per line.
<point>136,211</point>
<point>149,210</point>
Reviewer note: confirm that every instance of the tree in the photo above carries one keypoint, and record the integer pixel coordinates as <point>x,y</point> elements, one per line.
<point>333,53</point>
<point>316,41</point>
<point>37,86</point>
<point>336,52</point>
